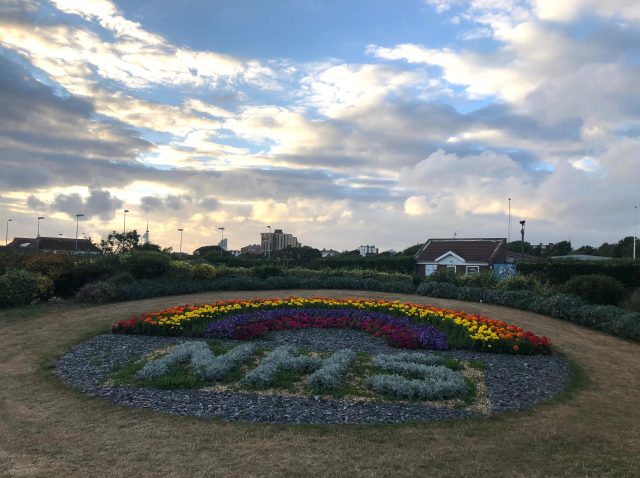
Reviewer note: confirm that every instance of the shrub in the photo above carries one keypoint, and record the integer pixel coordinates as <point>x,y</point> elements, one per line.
<point>21,287</point>
<point>97,292</point>
<point>203,272</point>
<point>122,278</point>
<point>559,272</point>
<point>597,289</point>
<point>436,383</point>
<point>444,275</point>
<point>333,369</point>
<point>201,360</point>
<point>147,264</point>
<point>266,270</point>
<point>438,289</point>
<point>633,301</point>
<point>483,279</point>
<point>627,326</point>
<point>521,282</point>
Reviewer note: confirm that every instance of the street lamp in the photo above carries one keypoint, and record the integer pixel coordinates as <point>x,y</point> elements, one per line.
<point>635,231</point>
<point>522,242</point>
<point>6,237</point>
<point>124,222</point>
<point>38,236</point>
<point>180,253</point>
<point>221,229</point>
<point>78,216</point>
<point>60,234</point>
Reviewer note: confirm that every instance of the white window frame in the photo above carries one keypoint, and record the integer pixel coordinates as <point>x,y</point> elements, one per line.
<point>452,268</point>
<point>469,268</point>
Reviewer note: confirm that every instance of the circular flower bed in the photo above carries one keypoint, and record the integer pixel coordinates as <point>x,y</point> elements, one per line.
<point>403,325</point>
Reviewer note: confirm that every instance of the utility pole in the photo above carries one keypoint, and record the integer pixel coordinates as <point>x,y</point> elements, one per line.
<point>180,253</point>
<point>509,228</point>
<point>78,216</point>
<point>38,236</point>
<point>6,236</point>
<point>635,231</point>
<point>522,242</point>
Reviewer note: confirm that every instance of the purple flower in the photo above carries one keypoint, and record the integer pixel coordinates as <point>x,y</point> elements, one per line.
<point>428,336</point>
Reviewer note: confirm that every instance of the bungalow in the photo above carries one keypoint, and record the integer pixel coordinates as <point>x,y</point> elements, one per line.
<point>463,256</point>
<point>56,245</point>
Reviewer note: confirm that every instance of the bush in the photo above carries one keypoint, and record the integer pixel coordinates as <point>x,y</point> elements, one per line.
<point>521,282</point>
<point>444,275</point>
<point>627,326</point>
<point>438,289</point>
<point>147,264</point>
<point>597,289</point>
<point>203,272</point>
<point>122,278</point>
<point>559,272</point>
<point>21,287</point>
<point>97,292</point>
<point>266,270</point>
<point>483,279</point>
<point>633,301</point>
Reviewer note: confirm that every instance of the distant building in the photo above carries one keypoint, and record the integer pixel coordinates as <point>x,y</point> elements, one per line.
<point>329,253</point>
<point>234,253</point>
<point>223,244</point>
<point>278,240</point>
<point>462,256</point>
<point>251,249</point>
<point>366,250</point>
<point>145,236</point>
<point>55,245</point>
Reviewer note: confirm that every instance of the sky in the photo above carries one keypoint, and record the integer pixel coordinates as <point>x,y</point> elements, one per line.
<point>344,123</point>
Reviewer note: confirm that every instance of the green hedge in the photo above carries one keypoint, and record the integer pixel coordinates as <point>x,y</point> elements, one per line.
<point>609,319</point>
<point>559,272</point>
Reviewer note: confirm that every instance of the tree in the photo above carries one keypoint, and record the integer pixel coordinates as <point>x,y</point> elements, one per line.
<point>118,242</point>
<point>205,251</point>
<point>586,250</point>
<point>412,250</point>
<point>624,248</point>
<point>516,246</point>
<point>562,248</point>
<point>154,248</point>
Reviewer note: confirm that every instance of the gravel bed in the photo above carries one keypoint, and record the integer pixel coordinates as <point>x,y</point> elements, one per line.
<point>513,382</point>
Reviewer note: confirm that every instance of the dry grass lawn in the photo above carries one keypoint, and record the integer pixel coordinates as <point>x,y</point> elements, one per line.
<point>48,429</point>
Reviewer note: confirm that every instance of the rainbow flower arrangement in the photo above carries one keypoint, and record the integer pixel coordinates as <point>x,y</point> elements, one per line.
<point>403,325</point>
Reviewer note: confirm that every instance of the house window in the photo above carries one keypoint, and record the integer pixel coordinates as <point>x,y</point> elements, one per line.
<point>430,269</point>
<point>451,268</point>
<point>473,269</point>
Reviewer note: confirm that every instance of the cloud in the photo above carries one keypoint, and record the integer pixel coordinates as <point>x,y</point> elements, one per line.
<point>98,204</point>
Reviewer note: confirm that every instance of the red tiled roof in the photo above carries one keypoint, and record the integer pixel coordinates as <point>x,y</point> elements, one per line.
<point>471,250</point>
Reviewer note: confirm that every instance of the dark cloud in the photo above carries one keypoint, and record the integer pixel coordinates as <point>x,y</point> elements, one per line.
<point>60,138</point>
<point>36,204</point>
<point>99,203</point>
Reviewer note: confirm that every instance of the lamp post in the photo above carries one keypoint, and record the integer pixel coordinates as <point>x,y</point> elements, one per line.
<point>522,242</point>
<point>6,236</point>
<point>635,231</point>
<point>78,216</point>
<point>38,236</point>
<point>180,253</point>
<point>60,235</point>
<point>509,228</point>
<point>124,222</point>
<point>221,229</point>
